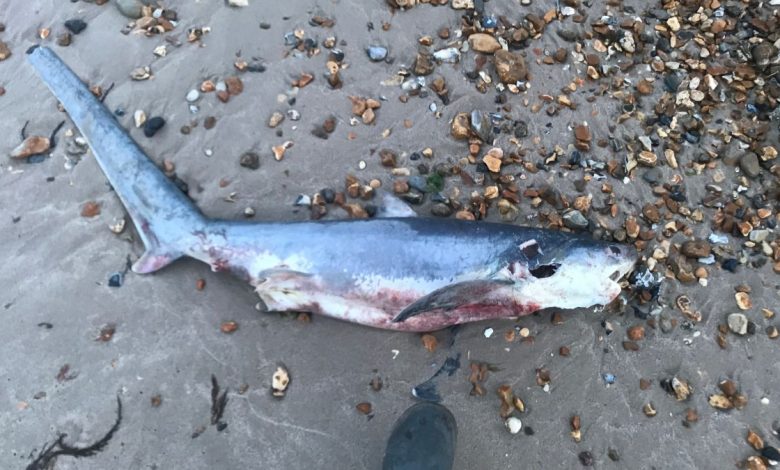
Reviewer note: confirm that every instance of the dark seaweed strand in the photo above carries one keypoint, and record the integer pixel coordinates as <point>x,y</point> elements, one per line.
<point>47,456</point>
<point>52,142</point>
<point>23,132</point>
<point>218,402</point>
<point>108,90</point>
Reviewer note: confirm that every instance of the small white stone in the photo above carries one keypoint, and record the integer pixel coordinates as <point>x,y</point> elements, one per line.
<point>208,152</point>
<point>514,425</point>
<point>192,96</point>
<point>488,332</point>
<point>238,3</point>
<point>764,400</point>
<point>139,117</point>
<point>362,165</point>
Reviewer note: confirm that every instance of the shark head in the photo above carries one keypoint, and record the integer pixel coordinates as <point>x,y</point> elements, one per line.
<point>577,272</point>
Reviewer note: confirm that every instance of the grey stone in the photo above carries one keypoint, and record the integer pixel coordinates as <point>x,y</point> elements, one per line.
<point>749,164</point>
<point>738,323</point>
<point>131,8</point>
<point>575,220</point>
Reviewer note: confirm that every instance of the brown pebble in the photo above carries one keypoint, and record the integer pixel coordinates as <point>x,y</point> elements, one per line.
<point>90,209</point>
<point>444,32</point>
<point>64,39</point>
<point>630,346</point>
<point>691,415</point>
<point>772,332</point>
<point>644,384</point>
<point>564,351</point>
<point>728,387</point>
<point>329,125</point>
<point>429,342</point>
<point>200,284</point>
<point>644,87</point>
<point>234,85</point>
<point>636,333</point>
<point>755,440</point>
<point>185,130</point>
<point>696,249</point>
<point>228,327</point>
<point>376,384</point>
<point>364,408</point>
<point>388,158</point>
<point>210,122</point>
<point>156,401</point>
<point>582,133</point>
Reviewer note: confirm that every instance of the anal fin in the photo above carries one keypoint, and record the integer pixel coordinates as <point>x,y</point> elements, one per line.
<point>452,296</point>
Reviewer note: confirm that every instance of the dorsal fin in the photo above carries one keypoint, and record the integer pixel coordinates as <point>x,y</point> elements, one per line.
<point>391,206</point>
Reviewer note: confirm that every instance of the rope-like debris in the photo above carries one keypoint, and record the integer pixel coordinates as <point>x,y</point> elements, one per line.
<point>48,455</point>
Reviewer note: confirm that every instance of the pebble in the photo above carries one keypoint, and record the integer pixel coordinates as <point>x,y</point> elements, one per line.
<point>139,118</point>
<point>130,8</point>
<point>5,51</point>
<point>275,119</point>
<point>485,43</point>
<point>749,164</point>
<point>64,39</point>
<point>582,133</point>
<point>696,249</point>
<point>377,53</point>
<point>738,323</point>
<point>423,64</point>
<point>303,200</point>
<point>513,424</point>
<point>33,145</point>
<point>441,210</point>
<point>193,96</point>
<point>574,219</point>
<point>510,67</point>
<point>419,183</point>
<point>76,26</point>
<point>250,160</point>
<point>153,125</point>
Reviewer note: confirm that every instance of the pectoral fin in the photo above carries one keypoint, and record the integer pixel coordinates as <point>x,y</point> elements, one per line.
<point>453,296</point>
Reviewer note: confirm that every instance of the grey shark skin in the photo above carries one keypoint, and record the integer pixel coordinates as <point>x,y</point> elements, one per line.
<point>400,273</point>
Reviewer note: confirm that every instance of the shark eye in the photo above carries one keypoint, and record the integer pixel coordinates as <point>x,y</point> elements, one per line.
<point>615,250</point>
<point>615,276</point>
<point>545,270</point>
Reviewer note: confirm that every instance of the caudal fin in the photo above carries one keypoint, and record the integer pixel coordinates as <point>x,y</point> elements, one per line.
<point>164,217</point>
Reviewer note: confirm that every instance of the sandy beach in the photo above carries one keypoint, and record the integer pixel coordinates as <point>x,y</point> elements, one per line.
<point>167,341</point>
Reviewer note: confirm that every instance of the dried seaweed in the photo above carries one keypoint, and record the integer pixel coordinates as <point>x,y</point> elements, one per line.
<point>108,90</point>
<point>218,402</point>
<point>52,138</point>
<point>47,456</point>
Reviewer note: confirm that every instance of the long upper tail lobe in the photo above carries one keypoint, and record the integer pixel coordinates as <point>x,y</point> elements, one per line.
<point>163,216</point>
